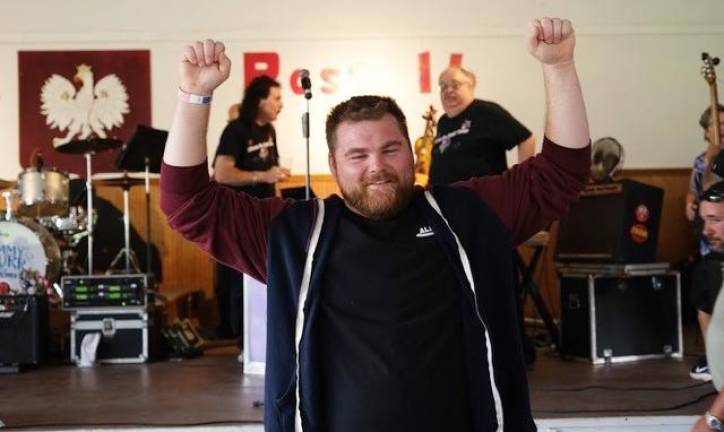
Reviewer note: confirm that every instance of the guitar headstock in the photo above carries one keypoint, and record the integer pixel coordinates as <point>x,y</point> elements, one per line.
<point>707,69</point>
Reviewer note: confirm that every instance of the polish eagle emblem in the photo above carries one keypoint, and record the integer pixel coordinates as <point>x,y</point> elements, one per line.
<point>90,110</point>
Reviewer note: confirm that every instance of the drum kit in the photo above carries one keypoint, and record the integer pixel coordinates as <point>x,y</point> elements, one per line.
<point>41,229</point>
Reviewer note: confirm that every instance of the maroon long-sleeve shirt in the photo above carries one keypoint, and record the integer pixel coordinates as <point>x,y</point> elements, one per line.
<point>233,227</point>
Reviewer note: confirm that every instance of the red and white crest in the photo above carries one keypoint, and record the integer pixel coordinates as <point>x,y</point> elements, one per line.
<point>76,95</point>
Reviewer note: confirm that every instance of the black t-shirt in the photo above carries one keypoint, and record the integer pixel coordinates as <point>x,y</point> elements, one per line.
<point>254,148</point>
<point>474,142</point>
<point>391,330</point>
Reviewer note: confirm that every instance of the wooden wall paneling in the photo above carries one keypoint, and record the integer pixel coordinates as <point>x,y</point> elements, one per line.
<point>322,185</point>
<point>186,268</point>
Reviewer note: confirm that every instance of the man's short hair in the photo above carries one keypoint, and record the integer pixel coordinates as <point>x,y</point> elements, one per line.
<point>468,74</point>
<point>715,193</point>
<point>361,108</point>
<point>705,118</point>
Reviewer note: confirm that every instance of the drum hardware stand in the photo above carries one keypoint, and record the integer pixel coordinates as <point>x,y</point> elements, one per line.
<point>143,152</point>
<point>8,195</point>
<point>89,202</point>
<point>88,147</point>
<point>528,286</point>
<point>130,256</point>
<point>147,185</point>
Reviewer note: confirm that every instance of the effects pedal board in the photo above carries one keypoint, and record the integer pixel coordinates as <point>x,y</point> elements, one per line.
<point>82,292</point>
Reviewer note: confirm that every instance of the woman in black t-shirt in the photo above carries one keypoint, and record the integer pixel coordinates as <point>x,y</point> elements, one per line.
<point>247,160</point>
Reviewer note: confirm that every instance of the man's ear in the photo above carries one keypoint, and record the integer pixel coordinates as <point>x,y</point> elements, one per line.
<point>332,165</point>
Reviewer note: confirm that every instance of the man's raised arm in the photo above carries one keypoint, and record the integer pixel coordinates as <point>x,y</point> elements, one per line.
<point>531,195</point>
<point>230,226</point>
<point>551,41</point>
<point>203,68</point>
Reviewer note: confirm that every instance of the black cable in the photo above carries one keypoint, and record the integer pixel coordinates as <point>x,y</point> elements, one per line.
<point>611,388</point>
<point>221,422</point>
<point>631,410</point>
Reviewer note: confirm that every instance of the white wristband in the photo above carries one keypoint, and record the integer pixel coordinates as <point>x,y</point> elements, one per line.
<point>193,98</point>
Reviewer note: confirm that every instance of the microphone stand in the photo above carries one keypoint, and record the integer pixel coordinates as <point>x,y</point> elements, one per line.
<point>305,132</point>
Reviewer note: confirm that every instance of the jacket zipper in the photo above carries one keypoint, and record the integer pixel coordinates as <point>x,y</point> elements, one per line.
<point>468,274</point>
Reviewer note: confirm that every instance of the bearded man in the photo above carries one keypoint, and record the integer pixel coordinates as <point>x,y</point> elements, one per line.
<point>389,308</point>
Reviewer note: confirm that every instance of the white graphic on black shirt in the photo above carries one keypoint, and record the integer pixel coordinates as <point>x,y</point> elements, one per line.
<point>262,147</point>
<point>425,231</point>
<point>444,141</point>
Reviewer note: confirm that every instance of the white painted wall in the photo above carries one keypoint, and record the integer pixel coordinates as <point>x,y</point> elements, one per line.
<point>639,60</point>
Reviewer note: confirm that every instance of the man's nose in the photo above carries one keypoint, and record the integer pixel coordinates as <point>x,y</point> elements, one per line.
<point>375,163</point>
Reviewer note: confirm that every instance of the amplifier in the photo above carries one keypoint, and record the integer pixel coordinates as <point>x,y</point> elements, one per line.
<point>23,329</point>
<point>122,290</point>
<point>614,222</point>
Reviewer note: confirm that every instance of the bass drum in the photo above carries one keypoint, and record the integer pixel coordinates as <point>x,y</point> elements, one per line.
<point>26,250</point>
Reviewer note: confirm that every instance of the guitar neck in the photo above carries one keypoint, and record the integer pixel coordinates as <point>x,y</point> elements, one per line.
<point>714,101</point>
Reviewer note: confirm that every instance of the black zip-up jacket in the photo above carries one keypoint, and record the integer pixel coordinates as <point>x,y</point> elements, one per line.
<point>286,245</point>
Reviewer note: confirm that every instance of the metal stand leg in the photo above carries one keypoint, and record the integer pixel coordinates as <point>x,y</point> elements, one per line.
<point>130,257</point>
<point>89,194</point>
<point>148,217</point>
<point>529,287</point>
<point>305,132</point>
<point>8,196</point>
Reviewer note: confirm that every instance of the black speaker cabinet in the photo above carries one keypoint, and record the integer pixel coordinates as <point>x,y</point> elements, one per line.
<point>620,313</point>
<point>612,223</point>
<point>23,329</point>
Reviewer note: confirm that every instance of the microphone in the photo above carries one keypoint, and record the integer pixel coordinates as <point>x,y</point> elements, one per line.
<point>306,84</point>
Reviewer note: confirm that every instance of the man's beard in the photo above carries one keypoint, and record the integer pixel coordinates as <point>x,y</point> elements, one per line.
<point>384,201</point>
<point>715,245</point>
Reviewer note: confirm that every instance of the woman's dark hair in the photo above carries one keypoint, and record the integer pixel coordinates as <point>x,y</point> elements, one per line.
<point>257,90</point>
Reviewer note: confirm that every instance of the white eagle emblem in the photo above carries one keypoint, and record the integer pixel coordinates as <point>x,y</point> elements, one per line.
<point>90,110</point>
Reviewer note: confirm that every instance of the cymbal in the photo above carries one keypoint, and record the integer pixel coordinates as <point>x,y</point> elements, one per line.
<point>89,145</point>
<point>122,179</point>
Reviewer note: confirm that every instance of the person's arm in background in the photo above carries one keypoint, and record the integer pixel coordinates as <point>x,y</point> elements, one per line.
<point>692,201</point>
<point>526,149</point>
<point>715,357</point>
<point>716,408</point>
<point>226,172</point>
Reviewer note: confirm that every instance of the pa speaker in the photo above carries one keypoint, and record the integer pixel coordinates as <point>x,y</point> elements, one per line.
<point>615,222</point>
<point>23,329</point>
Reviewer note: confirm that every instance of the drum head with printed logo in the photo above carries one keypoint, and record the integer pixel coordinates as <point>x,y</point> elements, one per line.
<point>26,246</point>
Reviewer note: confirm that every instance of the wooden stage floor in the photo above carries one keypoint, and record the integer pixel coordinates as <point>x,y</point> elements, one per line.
<point>211,390</point>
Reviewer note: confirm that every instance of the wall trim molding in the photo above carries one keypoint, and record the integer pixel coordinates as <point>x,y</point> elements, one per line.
<point>144,38</point>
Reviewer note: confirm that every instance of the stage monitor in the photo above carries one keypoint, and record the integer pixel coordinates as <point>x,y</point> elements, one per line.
<point>615,222</point>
